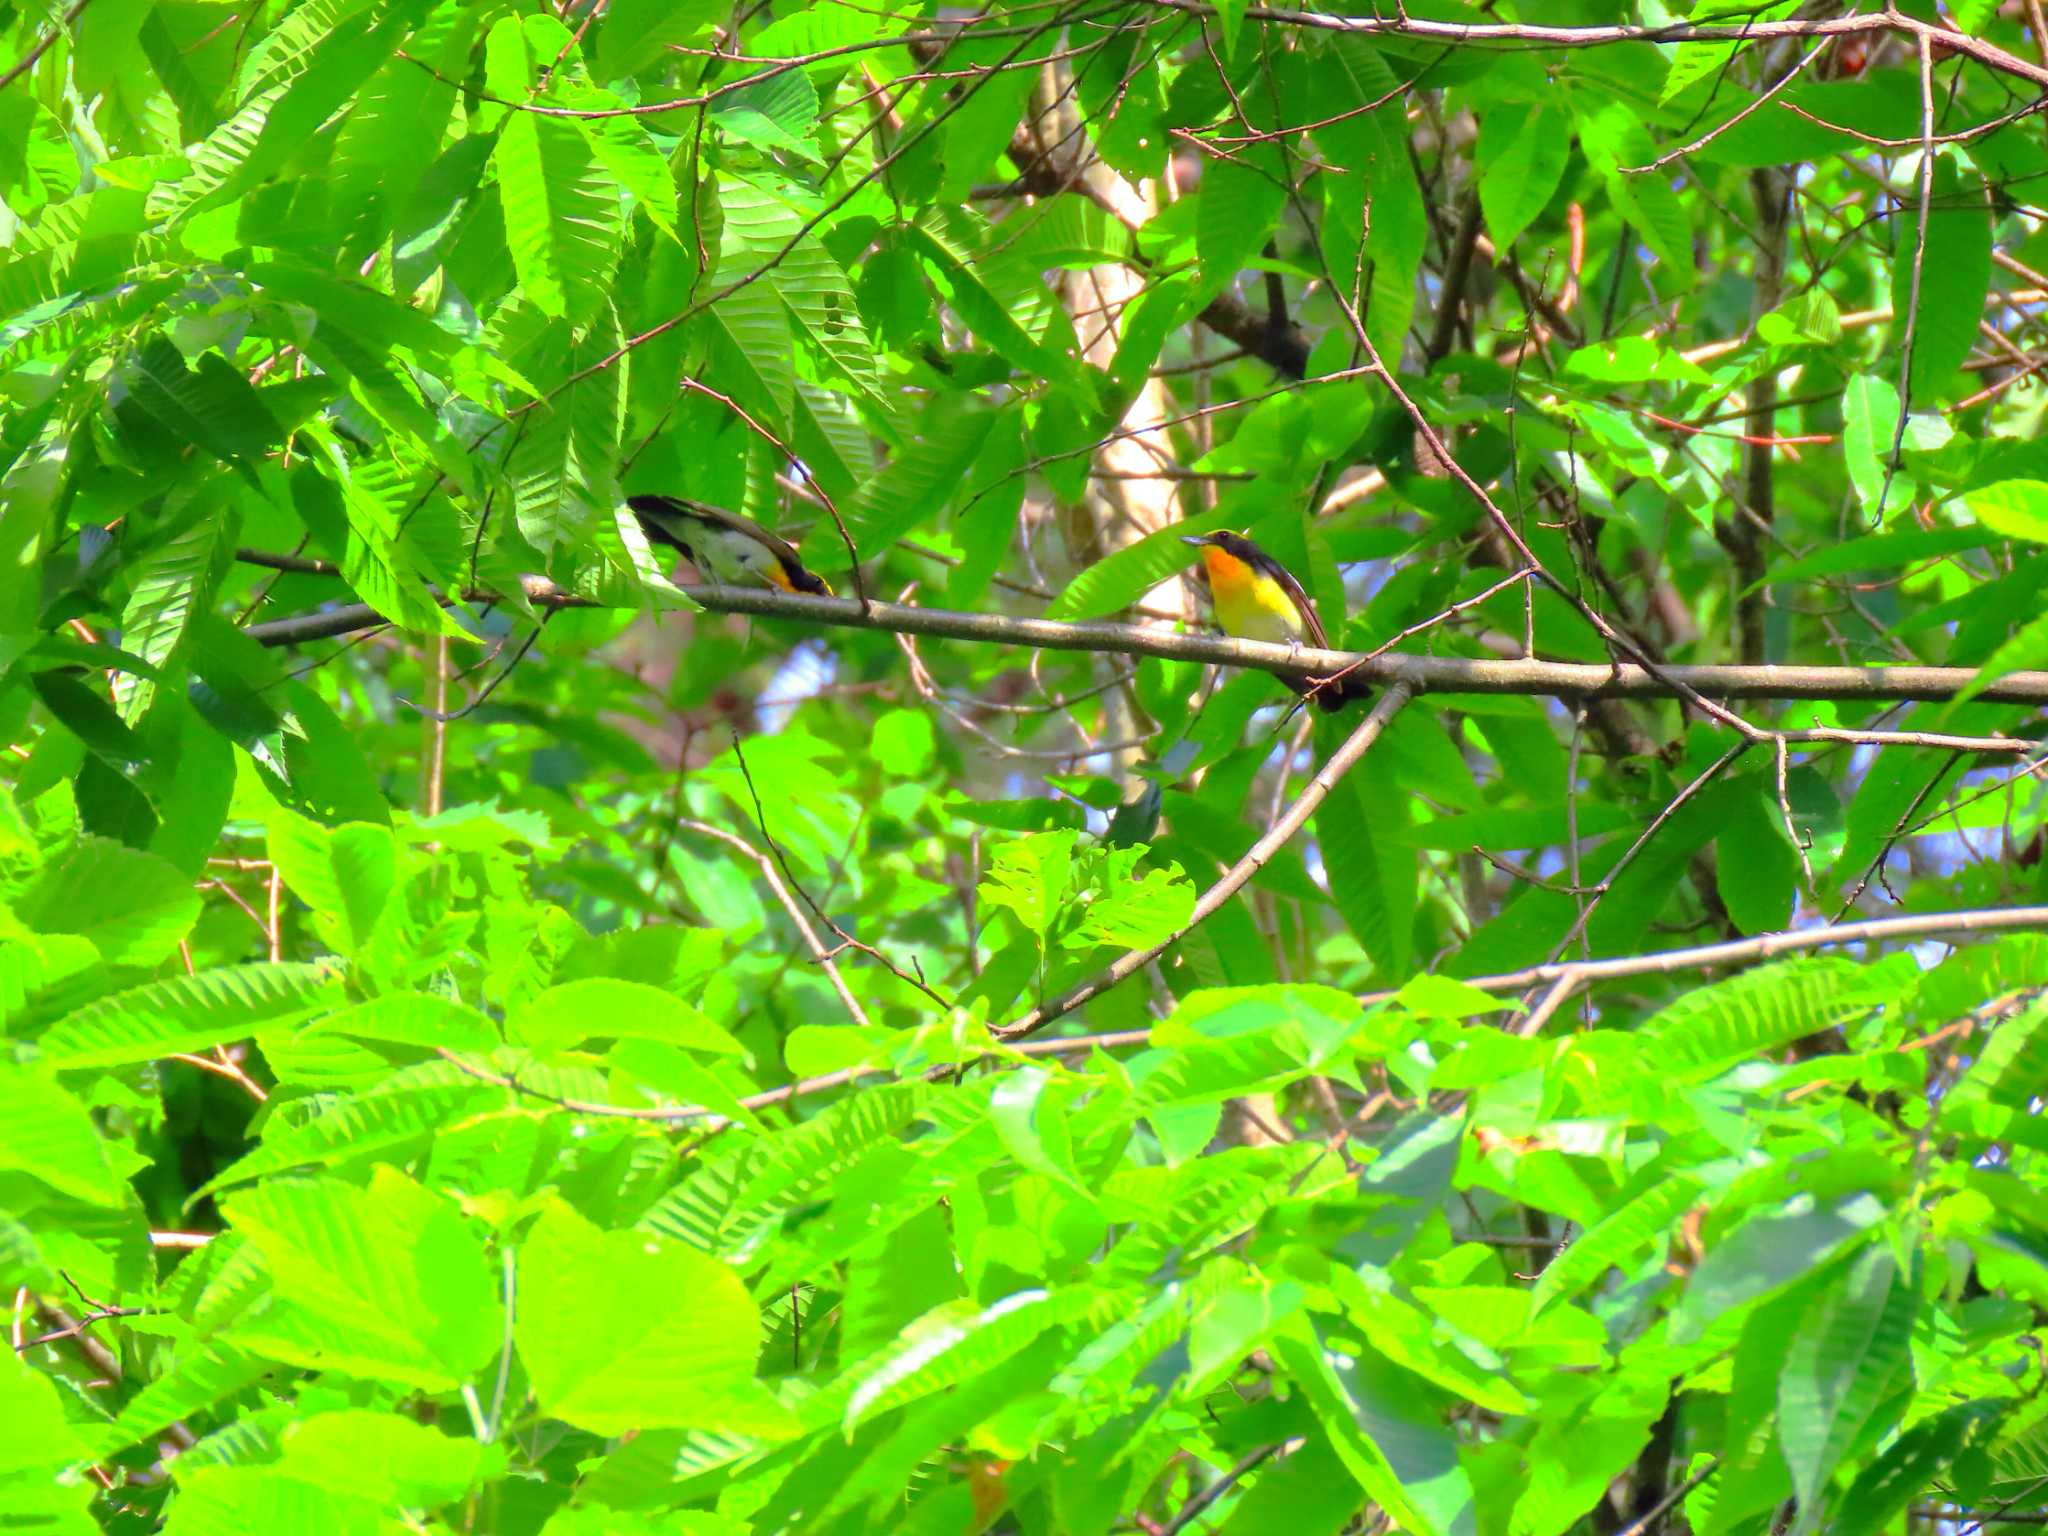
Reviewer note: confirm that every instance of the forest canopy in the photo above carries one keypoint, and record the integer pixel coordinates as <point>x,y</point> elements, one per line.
<point>511,1030</point>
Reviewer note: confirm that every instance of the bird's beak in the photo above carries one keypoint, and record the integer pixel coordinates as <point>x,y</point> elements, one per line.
<point>1196,539</point>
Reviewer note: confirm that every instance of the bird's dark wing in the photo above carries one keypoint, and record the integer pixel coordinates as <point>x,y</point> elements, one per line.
<point>655,513</point>
<point>718,517</point>
<point>1268,566</point>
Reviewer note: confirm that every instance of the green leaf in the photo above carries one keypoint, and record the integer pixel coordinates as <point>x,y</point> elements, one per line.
<point>1614,139</point>
<point>1712,1027</point>
<point>406,1109</point>
<point>1240,204</point>
<point>346,874</point>
<point>637,33</point>
<point>2025,650</point>
<point>951,1344</point>
<point>170,582</point>
<point>603,1006</point>
<point>412,1018</point>
<point>761,228</point>
<point>962,284</point>
<point>1846,1359</point>
<point>624,147</point>
<point>51,1137</point>
<point>753,353</point>
<point>1626,1230</point>
<point>1888,551</point>
<point>624,1330</point>
<point>1768,1252</point>
<point>43,1438</point>
<point>386,1282</point>
<point>386,1458</point>
<point>563,484</point>
<point>1910,1465</point>
<point>1520,160</point>
<point>1955,274</point>
<point>1119,579</point>
<point>377,154</point>
<point>1756,871</point>
<point>562,213</point>
<point>188,1013</point>
<point>211,406</point>
<point>939,461</point>
<point>779,111</point>
<point>133,906</point>
<point>1406,1464</point>
<point>1372,877</point>
<point>2016,508</point>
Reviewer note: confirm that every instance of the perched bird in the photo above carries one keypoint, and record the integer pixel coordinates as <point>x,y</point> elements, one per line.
<point>1257,599</point>
<point>727,549</point>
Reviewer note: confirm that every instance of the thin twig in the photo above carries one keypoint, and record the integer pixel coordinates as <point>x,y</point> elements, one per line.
<point>1907,342</point>
<point>1583,973</point>
<point>1312,796</point>
<point>796,914</point>
<point>846,940</point>
<point>1209,1493</point>
<point>27,61</point>
<point>1665,1505</point>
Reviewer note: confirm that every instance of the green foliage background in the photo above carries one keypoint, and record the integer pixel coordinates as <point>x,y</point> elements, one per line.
<point>390,1135</point>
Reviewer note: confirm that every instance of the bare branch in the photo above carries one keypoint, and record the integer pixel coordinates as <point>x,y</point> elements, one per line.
<point>1423,674</point>
<point>796,913</point>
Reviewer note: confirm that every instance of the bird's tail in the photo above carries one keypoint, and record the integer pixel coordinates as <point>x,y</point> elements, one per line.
<point>1334,694</point>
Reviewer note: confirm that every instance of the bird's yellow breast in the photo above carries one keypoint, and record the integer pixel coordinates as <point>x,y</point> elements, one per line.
<point>1249,605</point>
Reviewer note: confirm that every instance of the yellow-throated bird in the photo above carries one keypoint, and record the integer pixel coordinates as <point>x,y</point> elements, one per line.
<point>727,549</point>
<point>1257,598</point>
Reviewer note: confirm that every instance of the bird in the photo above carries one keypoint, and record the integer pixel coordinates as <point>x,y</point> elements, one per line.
<point>1257,598</point>
<point>727,549</point>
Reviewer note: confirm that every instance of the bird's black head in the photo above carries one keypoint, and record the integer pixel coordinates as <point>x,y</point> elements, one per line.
<point>804,580</point>
<point>1236,545</point>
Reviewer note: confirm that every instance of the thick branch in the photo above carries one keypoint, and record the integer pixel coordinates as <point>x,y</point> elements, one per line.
<point>1399,23</point>
<point>1424,674</point>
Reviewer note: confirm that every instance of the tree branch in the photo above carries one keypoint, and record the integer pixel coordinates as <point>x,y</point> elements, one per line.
<point>1763,947</point>
<point>1399,23</point>
<point>1570,681</point>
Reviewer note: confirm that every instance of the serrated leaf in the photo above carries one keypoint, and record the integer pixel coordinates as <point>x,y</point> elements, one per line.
<point>956,1341</point>
<point>210,406</point>
<point>637,33</point>
<point>188,1013</point>
<point>133,906</point>
<point>407,1107</point>
<point>563,466</point>
<point>1714,1026</point>
<point>169,583</point>
<point>562,215</point>
<point>1842,1364</point>
<point>1622,1232</point>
